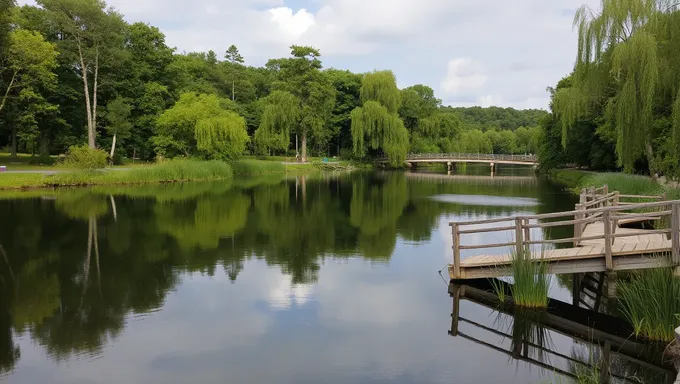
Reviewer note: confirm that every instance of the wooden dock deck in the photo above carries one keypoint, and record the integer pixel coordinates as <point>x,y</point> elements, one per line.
<point>600,242</point>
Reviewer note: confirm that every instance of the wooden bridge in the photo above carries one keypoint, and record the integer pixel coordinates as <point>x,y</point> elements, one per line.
<point>613,351</point>
<point>600,241</point>
<point>451,159</point>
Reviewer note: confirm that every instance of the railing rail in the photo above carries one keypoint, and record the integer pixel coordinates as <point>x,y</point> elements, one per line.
<point>470,156</point>
<point>597,204</point>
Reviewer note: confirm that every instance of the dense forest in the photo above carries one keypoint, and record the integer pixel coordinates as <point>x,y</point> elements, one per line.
<point>620,107</point>
<point>75,72</point>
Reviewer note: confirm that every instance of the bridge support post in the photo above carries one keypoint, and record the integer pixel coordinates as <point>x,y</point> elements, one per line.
<point>493,168</point>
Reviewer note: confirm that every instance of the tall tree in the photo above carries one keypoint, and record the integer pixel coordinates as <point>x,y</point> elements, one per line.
<point>235,60</point>
<point>620,65</point>
<point>376,124</point>
<point>301,76</point>
<point>92,36</point>
<point>280,116</point>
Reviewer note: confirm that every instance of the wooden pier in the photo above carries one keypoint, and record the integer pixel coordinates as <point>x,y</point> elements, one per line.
<point>600,241</point>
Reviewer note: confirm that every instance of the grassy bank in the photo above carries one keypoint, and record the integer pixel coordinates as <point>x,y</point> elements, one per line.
<point>165,172</point>
<point>624,183</point>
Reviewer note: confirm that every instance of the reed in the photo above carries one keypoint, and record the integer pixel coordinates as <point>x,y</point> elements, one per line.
<point>650,301</point>
<point>531,281</point>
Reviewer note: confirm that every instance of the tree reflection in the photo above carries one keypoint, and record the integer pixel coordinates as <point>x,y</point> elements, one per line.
<point>75,267</point>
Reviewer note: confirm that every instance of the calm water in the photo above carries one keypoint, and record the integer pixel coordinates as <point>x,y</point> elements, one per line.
<point>301,280</point>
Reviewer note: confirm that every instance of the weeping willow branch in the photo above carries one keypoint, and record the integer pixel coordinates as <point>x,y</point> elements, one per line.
<point>376,125</point>
<point>281,115</point>
<point>223,137</point>
<point>617,49</point>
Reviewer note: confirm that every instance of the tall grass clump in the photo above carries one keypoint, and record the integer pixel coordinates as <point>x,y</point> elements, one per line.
<point>248,167</point>
<point>531,281</point>
<point>650,301</point>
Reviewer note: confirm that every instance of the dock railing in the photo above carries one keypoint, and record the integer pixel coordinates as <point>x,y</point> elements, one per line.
<point>598,205</point>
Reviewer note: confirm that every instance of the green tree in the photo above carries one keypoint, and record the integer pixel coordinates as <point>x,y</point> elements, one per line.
<point>203,123</point>
<point>301,76</point>
<point>376,124</point>
<point>417,102</point>
<point>223,137</point>
<point>91,38</point>
<point>279,118</point>
<point>118,119</point>
<point>627,55</point>
<point>28,66</point>
<point>235,60</point>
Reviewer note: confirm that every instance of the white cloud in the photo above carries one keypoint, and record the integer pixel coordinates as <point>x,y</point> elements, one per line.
<point>463,75</point>
<point>294,24</point>
<point>514,49</point>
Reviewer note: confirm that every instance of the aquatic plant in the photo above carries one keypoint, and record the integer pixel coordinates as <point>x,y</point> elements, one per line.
<point>531,281</point>
<point>650,301</point>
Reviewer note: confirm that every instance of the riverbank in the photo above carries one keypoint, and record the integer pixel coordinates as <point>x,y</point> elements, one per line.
<point>166,172</point>
<point>627,184</point>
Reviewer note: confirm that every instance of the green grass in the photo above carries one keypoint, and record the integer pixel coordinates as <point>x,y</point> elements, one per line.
<point>569,177</point>
<point>168,171</point>
<point>650,301</point>
<point>251,167</point>
<point>531,281</point>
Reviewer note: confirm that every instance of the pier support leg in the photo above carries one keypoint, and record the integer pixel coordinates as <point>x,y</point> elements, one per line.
<point>454,290</point>
<point>493,169</point>
<point>575,289</point>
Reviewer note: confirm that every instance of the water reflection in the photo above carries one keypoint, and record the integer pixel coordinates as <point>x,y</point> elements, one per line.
<point>348,257</point>
<point>565,340</point>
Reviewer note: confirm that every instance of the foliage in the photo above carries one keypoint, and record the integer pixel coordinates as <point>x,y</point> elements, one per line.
<point>223,137</point>
<point>376,125</point>
<point>625,82</point>
<point>28,64</point>
<point>650,302</point>
<point>84,157</point>
<point>496,118</point>
<point>280,116</point>
<point>199,122</point>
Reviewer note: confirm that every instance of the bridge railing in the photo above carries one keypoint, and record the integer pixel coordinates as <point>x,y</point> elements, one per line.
<point>472,156</point>
<point>604,209</point>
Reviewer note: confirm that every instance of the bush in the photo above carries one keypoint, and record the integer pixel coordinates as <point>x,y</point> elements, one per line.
<point>84,157</point>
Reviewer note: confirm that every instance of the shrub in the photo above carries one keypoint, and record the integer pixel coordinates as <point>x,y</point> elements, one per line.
<point>84,157</point>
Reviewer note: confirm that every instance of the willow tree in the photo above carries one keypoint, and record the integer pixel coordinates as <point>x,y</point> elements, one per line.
<point>376,125</point>
<point>619,68</point>
<point>222,137</point>
<point>279,118</point>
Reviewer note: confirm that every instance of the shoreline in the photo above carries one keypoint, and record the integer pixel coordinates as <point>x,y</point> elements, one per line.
<point>169,172</point>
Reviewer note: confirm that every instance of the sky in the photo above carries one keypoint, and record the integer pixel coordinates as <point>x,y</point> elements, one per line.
<point>471,52</point>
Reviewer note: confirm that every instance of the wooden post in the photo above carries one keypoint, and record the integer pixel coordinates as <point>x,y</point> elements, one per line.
<point>675,233</point>
<point>605,192</point>
<point>527,230</point>
<point>578,227</point>
<point>456,250</point>
<point>607,240</point>
<point>455,314</point>
<point>518,237</point>
<point>606,363</point>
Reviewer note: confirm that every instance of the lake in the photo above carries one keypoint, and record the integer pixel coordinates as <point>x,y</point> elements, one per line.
<point>307,279</point>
